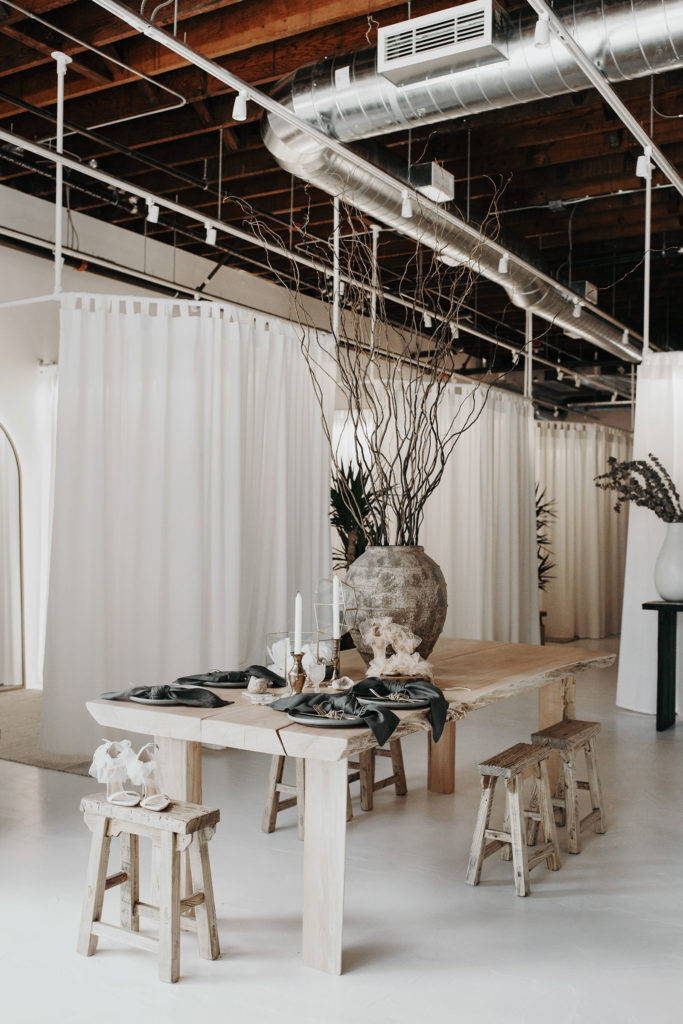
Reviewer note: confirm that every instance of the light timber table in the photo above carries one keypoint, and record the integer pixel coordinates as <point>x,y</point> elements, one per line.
<point>472,673</point>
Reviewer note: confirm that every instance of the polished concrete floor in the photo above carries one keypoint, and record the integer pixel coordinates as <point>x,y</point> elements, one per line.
<point>599,942</point>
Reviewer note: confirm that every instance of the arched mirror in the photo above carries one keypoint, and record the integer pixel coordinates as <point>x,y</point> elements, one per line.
<point>12,654</point>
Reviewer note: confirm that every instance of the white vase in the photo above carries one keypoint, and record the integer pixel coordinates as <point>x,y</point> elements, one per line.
<point>669,566</point>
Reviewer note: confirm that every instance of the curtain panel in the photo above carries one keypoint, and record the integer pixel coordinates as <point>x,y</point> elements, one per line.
<point>658,429</point>
<point>587,537</point>
<point>191,497</point>
<point>479,523</point>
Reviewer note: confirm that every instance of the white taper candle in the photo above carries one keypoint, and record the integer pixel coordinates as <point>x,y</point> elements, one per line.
<point>336,603</point>
<point>298,616</point>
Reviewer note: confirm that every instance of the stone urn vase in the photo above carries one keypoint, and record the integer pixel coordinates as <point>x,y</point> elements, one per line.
<point>669,565</point>
<point>405,584</point>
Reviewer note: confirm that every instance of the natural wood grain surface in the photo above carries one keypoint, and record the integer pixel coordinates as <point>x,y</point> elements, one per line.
<point>472,673</point>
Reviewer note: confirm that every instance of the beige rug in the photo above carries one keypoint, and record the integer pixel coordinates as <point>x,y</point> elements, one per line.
<point>20,712</point>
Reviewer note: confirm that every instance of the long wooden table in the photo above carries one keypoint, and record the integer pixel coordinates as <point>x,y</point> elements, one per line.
<point>472,674</point>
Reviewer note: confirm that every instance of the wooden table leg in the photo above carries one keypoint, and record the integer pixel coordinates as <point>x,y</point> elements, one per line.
<point>556,702</point>
<point>180,762</point>
<point>324,863</point>
<point>666,668</point>
<point>441,761</point>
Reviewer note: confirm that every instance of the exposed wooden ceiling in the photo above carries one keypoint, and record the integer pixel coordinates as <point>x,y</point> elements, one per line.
<point>552,152</point>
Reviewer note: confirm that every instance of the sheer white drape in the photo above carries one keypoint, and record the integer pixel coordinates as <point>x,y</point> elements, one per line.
<point>658,429</point>
<point>479,523</point>
<point>588,538</point>
<point>10,567</point>
<point>191,497</point>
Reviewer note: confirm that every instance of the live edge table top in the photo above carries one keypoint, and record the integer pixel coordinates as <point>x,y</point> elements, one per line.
<point>472,674</point>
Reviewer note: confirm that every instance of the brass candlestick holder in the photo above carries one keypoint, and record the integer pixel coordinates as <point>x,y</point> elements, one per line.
<point>297,676</point>
<point>336,647</point>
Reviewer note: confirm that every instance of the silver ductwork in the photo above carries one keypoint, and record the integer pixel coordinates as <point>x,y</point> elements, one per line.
<point>346,99</point>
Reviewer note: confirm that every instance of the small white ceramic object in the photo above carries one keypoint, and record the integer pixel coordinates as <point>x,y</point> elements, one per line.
<point>669,565</point>
<point>257,685</point>
<point>342,683</point>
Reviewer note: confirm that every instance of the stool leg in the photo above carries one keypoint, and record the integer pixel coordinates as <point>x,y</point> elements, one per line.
<point>594,785</point>
<point>130,890</point>
<point>349,803</point>
<point>516,818</point>
<point>545,803</point>
<point>367,779</point>
<point>95,882</point>
<point>506,852</point>
<point>205,913</point>
<point>169,908</point>
<point>277,765</point>
<point>397,767</point>
<point>474,864</point>
<point>300,795</point>
<point>571,803</point>
<point>532,824</point>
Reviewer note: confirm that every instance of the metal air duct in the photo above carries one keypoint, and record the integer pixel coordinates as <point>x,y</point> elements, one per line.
<point>348,100</point>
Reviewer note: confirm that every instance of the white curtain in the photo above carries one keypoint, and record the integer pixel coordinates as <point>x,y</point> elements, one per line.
<point>479,523</point>
<point>658,429</point>
<point>587,537</point>
<point>10,567</point>
<point>191,497</point>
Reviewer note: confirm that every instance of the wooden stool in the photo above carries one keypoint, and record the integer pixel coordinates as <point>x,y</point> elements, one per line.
<point>181,827</point>
<point>569,737</point>
<point>362,770</point>
<point>513,765</point>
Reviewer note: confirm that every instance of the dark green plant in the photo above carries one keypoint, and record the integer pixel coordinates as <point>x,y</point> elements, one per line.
<point>545,512</point>
<point>648,484</point>
<point>349,505</point>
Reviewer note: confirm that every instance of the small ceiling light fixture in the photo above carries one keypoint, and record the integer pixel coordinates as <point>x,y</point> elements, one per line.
<point>504,264</point>
<point>406,207</point>
<point>484,362</point>
<point>614,397</point>
<point>643,165</point>
<point>556,413</point>
<point>515,358</point>
<point>577,382</point>
<point>560,374</point>
<point>624,337</point>
<point>453,328</point>
<point>92,162</point>
<point>542,31</point>
<point>576,312</point>
<point>426,320</point>
<point>239,107</point>
<point>152,212</point>
<point>210,234</point>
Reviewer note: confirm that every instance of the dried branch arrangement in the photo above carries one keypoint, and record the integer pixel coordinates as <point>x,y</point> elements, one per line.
<point>646,483</point>
<point>392,355</point>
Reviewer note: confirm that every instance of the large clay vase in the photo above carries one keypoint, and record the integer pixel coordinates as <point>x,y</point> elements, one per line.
<point>669,567</point>
<point>405,584</point>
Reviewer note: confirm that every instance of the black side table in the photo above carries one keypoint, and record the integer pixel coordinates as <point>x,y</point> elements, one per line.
<point>666,660</point>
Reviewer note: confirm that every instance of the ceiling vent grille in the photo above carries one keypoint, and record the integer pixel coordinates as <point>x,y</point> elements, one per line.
<point>468,35</point>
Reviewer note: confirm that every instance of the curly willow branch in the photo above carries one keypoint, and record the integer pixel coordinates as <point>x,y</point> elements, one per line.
<point>392,381</point>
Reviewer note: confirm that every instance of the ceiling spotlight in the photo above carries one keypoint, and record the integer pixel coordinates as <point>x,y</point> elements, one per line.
<point>426,320</point>
<point>643,165</point>
<point>515,358</point>
<point>210,234</point>
<point>624,337</point>
<point>453,328</point>
<point>406,207</point>
<point>484,362</point>
<point>576,312</point>
<point>577,382</point>
<point>556,413</point>
<point>239,107</point>
<point>614,397</point>
<point>542,31</point>
<point>152,212</point>
<point>93,163</point>
<point>560,374</point>
<point>504,264</point>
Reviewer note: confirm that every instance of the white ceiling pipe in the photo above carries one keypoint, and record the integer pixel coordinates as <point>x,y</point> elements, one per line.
<point>324,161</point>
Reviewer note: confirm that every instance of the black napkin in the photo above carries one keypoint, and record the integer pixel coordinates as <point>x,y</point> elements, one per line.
<point>420,689</point>
<point>193,698</point>
<point>382,721</point>
<point>242,676</point>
